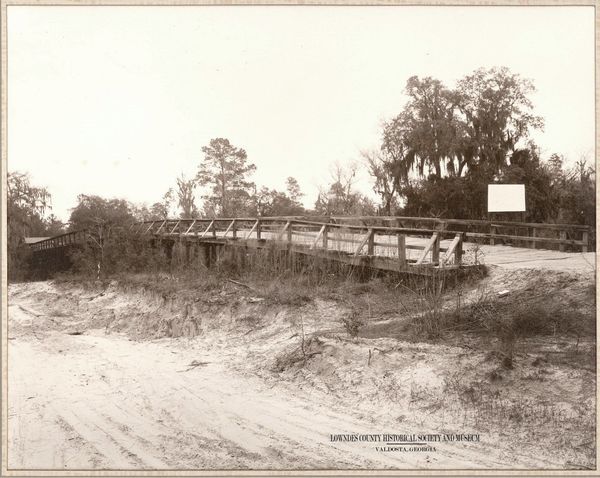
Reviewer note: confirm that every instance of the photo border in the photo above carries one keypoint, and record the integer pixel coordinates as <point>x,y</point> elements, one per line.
<point>5,4</point>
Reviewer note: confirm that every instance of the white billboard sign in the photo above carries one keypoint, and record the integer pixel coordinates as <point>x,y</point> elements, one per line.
<point>506,197</point>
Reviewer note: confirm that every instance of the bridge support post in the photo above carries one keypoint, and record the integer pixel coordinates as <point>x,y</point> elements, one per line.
<point>563,237</point>
<point>458,252</point>
<point>585,237</point>
<point>435,251</point>
<point>402,251</point>
<point>533,235</point>
<point>289,234</point>
<point>371,243</point>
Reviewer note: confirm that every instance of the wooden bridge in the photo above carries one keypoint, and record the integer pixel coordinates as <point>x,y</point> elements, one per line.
<point>408,244</point>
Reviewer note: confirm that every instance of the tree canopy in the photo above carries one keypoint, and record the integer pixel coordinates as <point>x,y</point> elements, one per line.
<point>26,208</point>
<point>472,128</point>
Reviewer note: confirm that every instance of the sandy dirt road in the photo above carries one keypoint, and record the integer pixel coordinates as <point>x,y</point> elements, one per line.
<point>102,401</point>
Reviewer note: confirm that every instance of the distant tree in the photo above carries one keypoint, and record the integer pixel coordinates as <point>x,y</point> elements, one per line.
<point>382,168</point>
<point>161,210</point>
<point>54,226</point>
<point>339,198</point>
<point>577,193</point>
<point>26,205</point>
<point>185,197</point>
<point>293,190</point>
<point>556,164</point>
<point>271,202</point>
<point>103,219</point>
<point>542,196</point>
<point>92,211</point>
<point>225,171</point>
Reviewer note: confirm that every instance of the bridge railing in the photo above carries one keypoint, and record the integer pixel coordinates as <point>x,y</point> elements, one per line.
<point>521,234</point>
<point>62,240</point>
<point>376,236</point>
<point>402,245</point>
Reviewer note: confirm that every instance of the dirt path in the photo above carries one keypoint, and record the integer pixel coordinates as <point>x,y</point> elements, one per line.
<point>103,401</point>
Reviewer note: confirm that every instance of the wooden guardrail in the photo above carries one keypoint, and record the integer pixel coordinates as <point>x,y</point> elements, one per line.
<point>62,240</point>
<point>384,236</point>
<point>523,234</point>
<point>352,241</point>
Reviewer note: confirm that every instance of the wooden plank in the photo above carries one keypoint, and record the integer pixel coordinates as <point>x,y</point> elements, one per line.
<point>231,224</point>
<point>465,222</point>
<point>520,238</point>
<point>175,227</point>
<point>363,241</point>
<point>190,228</point>
<point>149,227</point>
<point>208,228</point>
<point>304,234</point>
<point>319,236</point>
<point>402,250</point>
<point>161,226</point>
<point>428,248</point>
<point>451,249</point>
<point>282,232</point>
<point>252,230</point>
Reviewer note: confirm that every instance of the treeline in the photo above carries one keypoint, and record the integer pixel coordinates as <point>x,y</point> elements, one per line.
<point>225,177</point>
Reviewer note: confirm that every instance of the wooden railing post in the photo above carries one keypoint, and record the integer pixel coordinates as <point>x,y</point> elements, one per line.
<point>371,243</point>
<point>289,232</point>
<point>435,252</point>
<point>258,229</point>
<point>458,252</point>
<point>325,236</point>
<point>214,229</point>
<point>234,229</point>
<point>563,237</point>
<point>585,237</point>
<point>402,250</point>
<point>492,231</point>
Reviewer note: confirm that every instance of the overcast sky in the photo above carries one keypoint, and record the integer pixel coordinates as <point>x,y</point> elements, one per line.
<point>118,101</point>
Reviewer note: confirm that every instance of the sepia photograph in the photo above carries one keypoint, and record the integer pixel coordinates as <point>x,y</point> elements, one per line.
<point>298,239</point>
